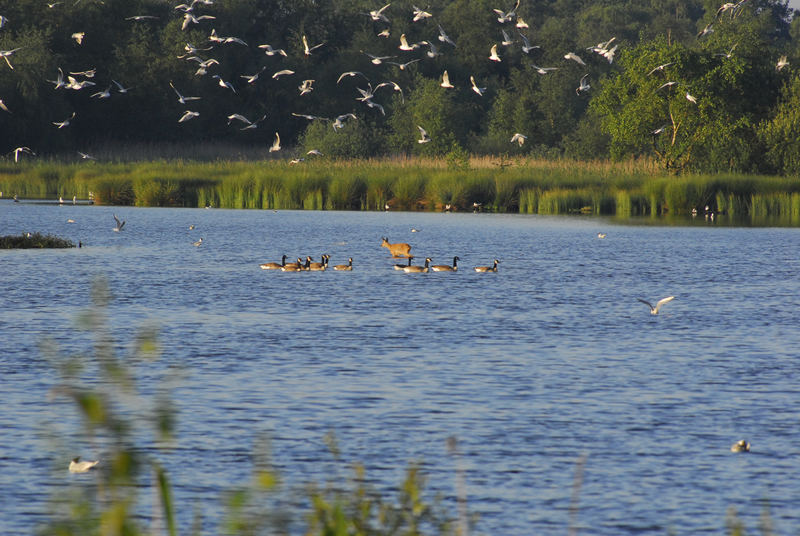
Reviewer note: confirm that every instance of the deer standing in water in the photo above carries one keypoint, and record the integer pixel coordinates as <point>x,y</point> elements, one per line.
<point>399,249</point>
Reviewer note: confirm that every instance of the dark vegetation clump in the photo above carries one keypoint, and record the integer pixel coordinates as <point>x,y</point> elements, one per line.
<point>34,240</point>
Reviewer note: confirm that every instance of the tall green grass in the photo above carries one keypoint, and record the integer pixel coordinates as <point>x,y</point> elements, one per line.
<point>527,186</point>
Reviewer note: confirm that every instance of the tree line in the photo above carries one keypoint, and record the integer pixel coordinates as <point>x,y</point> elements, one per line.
<point>694,85</point>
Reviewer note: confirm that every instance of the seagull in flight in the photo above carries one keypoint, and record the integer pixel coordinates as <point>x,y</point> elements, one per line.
<point>20,150</point>
<point>269,51</point>
<point>307,50</point>
<point>659,130</point>
<point>654,309</point>
<point>310,117</point>
<point>188,114</point>
<point>666,84</point>
<point>78,37</point>
<point>782,62</point>
<point>250,78</point>
<point>5,54</point>
<point>446,81</point>
<point>419,14</point>
<point>503,17</point>
<point>65,122</point>
<point>403,65</point>
<point>351,73</point>
<point>574,57</point>
<point>283,72</point>
<point>59,81</point>
<point>106,93</point>
<point>394,85</point>
<point>526,45</point>
<point>120,88</point>
<point>377,60</point>
<point>239,117</point>
<point>661,67</point>
<point>181,98</point>
<point>4,107</point>
<point>493,54</point>
<point>543,70</point>
<point>72,83</point>
<point>424,138</point>
<point>120,224</point>
<point>276,145</point>
<point>584,85</point>
<point>254,124</point>
<point>339,121</point>
<point>306,87</point>
<point>86,156</point>
<point>223,83</point>
<point>443,36</point>
<point>519,138</point>
<point>433,50</point>
<point>404,44</point>
<point>377,14</point>
<point>475,88</point>
<point>189,18</point>
<point>690,98</point>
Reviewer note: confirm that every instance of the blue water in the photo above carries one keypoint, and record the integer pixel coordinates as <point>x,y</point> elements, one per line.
<point>550,359</point>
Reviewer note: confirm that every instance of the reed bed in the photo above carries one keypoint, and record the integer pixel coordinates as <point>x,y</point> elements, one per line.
<point>531,186</point>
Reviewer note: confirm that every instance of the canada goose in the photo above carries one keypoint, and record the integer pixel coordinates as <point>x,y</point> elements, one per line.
<point>654,309</point>
<point>318,266</point>
<point>445,267</point>
<point>418,269</point>
<point>77,466</point>
<point>740,446</point>
<point>403,266</point>
<point>293,267</point>
<point>345,267</point>
<point>484,269</point>
<point>274,265</point>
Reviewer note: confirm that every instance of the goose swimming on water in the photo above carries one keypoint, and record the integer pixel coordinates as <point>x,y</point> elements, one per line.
<point>485,269</point>
<point>345,267</point>
<point>273,265</point>
<point>445,267</point>
<point>418,269</point>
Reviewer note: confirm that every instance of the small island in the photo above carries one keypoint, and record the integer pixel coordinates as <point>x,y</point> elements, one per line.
<point>34,240</point>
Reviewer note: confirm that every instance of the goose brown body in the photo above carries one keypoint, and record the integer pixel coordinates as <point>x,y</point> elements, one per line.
<point>485,269</point>
<point>445,267</point>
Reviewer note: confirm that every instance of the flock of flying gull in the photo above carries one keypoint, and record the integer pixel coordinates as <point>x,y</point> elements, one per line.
<point>79,80</point>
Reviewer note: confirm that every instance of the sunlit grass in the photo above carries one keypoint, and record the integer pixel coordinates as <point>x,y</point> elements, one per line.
<point>501,184</point>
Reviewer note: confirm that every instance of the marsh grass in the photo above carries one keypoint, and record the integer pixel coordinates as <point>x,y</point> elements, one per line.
<point>531,186</point>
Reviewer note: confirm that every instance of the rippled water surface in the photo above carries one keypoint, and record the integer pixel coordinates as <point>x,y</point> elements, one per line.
<point>550,359</point>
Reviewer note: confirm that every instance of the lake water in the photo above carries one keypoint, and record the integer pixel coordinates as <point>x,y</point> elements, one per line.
<point>550,359</point>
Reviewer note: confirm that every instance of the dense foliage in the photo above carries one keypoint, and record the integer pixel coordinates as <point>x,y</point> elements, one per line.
<point>742,115</point>
<point>34,241</point>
